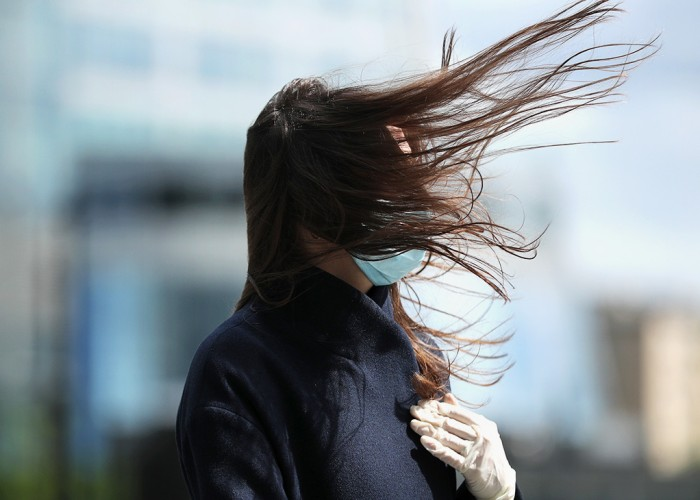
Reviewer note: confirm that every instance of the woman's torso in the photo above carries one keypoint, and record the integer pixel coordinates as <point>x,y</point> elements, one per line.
<point>311,400</point>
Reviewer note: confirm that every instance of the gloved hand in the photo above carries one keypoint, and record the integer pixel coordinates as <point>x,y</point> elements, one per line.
<point>468,442</point>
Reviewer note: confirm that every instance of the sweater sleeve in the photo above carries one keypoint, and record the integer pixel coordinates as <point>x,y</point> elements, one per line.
<point>463,493</point>
<point>225,456</point>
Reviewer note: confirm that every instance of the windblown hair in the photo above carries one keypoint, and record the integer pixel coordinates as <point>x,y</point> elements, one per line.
<point>324,159</point>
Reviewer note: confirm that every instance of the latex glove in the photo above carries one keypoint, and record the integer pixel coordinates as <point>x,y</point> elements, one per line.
<point>467,441</point>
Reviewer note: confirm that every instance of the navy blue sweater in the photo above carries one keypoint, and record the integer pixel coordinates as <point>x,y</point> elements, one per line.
<point>309,400</point>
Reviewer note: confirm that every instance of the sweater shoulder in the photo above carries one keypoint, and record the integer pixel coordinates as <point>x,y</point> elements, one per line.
<point>225,362</point>
<point>234,338</point>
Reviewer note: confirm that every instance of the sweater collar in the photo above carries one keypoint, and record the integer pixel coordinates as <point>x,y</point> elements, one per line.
<point>330,310</point>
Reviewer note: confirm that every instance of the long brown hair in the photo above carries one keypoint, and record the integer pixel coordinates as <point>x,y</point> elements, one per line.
<point>322,158</point>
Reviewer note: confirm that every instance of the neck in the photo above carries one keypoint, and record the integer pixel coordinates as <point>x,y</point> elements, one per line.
<point>341,265</point>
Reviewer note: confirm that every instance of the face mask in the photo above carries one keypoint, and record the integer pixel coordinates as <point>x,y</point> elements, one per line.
<point>390,269</point>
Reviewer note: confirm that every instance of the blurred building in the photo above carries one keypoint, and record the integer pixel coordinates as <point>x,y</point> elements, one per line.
<point>649,362</point>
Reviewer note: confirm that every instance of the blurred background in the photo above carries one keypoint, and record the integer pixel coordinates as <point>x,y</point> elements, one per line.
<point>122,240</point>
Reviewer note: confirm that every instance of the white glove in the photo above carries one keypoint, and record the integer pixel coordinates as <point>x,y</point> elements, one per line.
<point>468,442</point>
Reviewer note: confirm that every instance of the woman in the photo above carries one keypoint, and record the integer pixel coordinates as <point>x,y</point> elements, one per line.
<point>307,391</point>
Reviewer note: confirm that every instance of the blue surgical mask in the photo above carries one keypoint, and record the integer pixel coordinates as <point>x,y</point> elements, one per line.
<point>387,270</point>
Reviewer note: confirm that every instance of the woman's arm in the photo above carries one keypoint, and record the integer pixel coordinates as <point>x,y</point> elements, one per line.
<point>468,442</point>
<point>225,456</point>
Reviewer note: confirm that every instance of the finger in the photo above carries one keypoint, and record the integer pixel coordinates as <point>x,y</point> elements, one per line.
<point>451,399</point>
<point>430,404</point>
<point>447,455</point>
<point>462,414</point>
<point>471,454</point>
<point>460,429</point>
<point>443,436</point>
<point>427,414</point>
